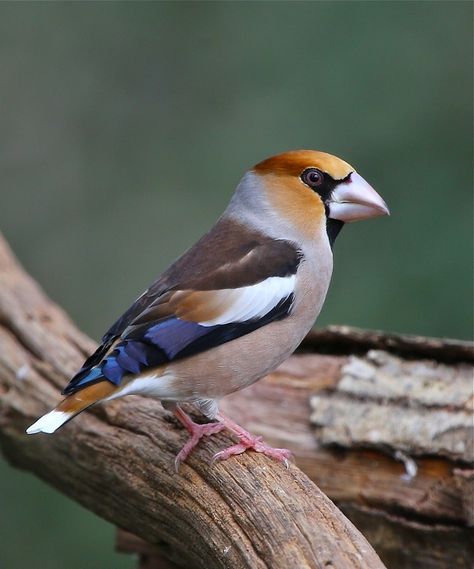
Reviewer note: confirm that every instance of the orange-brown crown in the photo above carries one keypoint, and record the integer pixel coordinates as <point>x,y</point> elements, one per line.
<point>293,163</point>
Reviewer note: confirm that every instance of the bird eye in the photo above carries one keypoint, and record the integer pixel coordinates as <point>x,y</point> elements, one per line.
<point>312,177</point>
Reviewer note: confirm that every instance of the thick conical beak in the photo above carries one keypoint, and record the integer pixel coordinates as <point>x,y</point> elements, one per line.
<point>356,199</point>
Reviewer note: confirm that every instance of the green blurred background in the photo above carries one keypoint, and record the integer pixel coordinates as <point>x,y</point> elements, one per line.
<point>125,126</point>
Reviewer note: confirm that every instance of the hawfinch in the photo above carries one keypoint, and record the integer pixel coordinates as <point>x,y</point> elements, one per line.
<point>235,305</point>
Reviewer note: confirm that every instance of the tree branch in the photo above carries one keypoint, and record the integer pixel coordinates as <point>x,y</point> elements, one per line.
<point>117,460</point>
<point>389,439</point>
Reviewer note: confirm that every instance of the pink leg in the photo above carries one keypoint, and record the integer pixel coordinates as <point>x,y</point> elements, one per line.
<point>247,441</point>
<point>196,431</point>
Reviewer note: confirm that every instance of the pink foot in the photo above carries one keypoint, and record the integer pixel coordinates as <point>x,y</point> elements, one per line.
<point>247,441</point>
<point>196,431</point>
<point>256,444</point>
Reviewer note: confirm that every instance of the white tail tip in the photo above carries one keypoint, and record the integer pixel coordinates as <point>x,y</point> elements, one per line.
<point>49,423</point>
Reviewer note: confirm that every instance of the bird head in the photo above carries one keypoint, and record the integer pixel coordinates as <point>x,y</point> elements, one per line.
<point>307,185</point>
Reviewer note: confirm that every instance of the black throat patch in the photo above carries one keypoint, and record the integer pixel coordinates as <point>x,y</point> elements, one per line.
<point>333,226</point>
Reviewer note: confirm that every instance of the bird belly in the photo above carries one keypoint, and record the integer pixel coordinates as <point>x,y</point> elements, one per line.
<point>235,365</point>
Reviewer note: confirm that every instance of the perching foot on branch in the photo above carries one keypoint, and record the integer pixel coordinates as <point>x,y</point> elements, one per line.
<point>247,441</point>
<point>196,431</point>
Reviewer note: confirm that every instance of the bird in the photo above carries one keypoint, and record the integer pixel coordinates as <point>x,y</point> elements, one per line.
<point>234,306</point>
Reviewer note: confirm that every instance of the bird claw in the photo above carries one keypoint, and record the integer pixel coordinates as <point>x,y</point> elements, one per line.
<point>247,441</point>
<point>256,444</point>
<point>197,432</point>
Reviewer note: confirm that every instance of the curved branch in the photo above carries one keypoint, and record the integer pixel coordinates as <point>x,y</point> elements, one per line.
<point>117,460</point>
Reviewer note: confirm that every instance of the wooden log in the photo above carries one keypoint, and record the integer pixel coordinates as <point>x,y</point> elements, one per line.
<point>118,460</point>
<point>389,439</point>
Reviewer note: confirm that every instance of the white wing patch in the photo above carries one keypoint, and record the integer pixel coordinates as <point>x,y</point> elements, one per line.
<point>253,301</point>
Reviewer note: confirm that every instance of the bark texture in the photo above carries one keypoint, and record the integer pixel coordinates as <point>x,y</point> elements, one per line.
<point>388,436</point>
<point>117,460</point>
<point>383,424</point>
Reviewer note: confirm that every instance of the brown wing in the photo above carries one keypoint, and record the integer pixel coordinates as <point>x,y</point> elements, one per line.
<point>229,256</point>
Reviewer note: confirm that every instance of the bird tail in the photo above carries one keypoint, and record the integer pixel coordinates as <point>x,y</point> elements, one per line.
<point>71,406</point>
